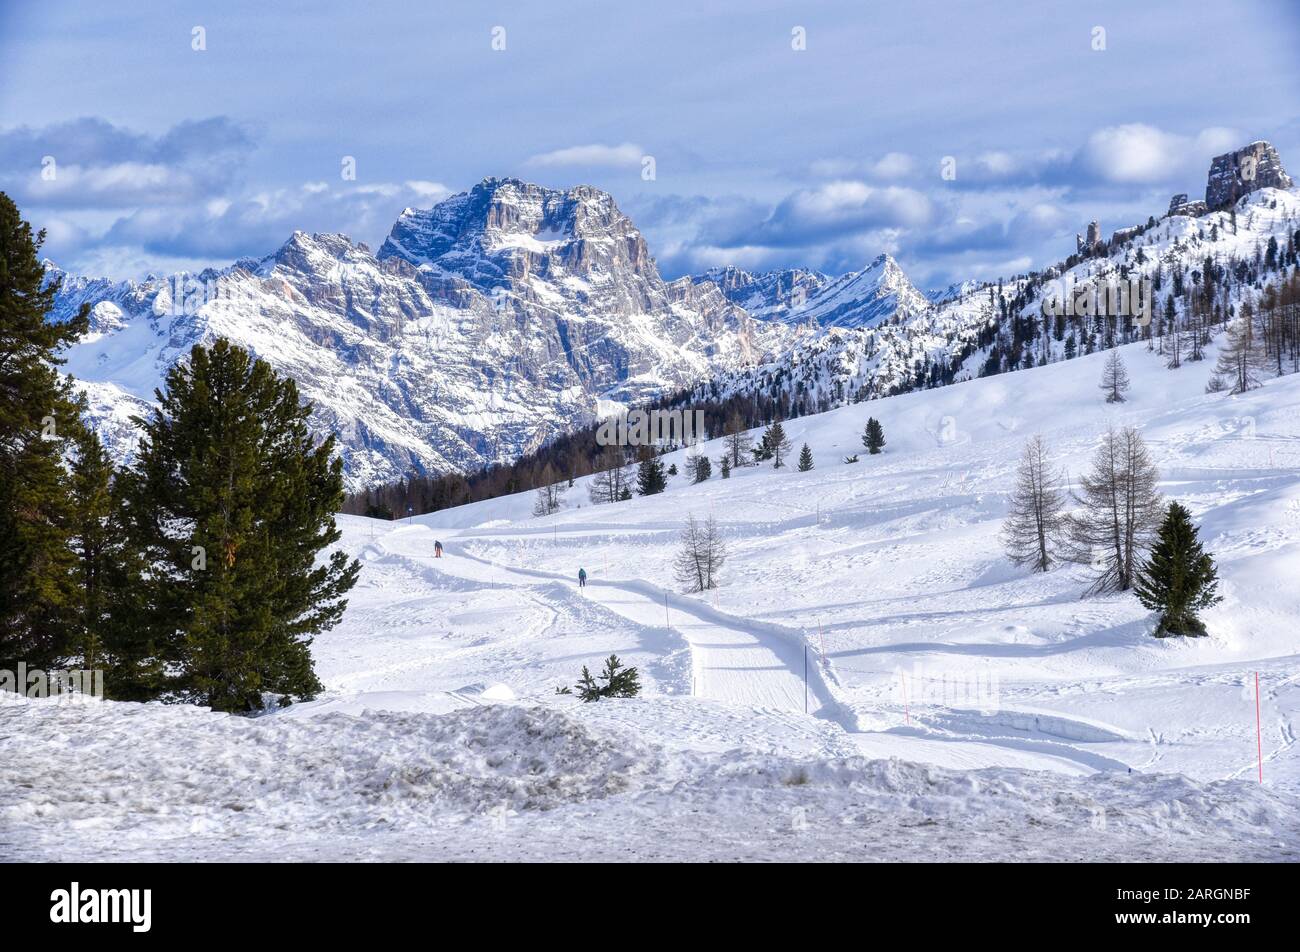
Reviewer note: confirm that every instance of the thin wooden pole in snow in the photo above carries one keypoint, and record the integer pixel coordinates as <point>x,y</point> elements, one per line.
<point>805,679</point>
<point>1259,743</point>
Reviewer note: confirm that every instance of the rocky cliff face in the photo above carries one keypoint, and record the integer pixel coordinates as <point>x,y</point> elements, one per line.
<point>1238,173</point>
<point>767,295</point>
<point>482,328</point>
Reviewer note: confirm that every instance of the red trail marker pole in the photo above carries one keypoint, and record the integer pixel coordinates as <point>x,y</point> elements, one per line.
<point>1259,743</point>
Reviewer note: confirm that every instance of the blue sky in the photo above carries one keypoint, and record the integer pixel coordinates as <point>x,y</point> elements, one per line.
<point>764,156</point>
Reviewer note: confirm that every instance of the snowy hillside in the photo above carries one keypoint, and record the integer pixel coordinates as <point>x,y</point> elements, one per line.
<point>927,344</point>
<point>951,706</point>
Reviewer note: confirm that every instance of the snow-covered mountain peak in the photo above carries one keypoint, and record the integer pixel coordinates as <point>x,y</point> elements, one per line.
<point>504,229</point>
<point>864,298</point>
<point>484,326</point>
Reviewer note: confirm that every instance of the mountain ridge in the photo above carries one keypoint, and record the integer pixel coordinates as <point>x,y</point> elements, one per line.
<point>510,313</point>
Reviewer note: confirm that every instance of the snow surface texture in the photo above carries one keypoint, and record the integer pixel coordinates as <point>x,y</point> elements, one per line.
<point>957,708</point>
<point>507,782</point>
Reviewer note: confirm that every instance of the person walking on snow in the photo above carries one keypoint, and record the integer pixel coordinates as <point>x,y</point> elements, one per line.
<point>582,578</point>
<point>437,549</point>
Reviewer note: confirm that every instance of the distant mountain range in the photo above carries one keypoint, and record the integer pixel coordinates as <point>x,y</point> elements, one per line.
<point>511,313</point>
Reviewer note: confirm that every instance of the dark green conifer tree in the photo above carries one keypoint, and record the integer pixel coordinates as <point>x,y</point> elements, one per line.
<point>230,501</point>
<point>805,459</point>
<point>650,478</point>
<point>112,633</point>
<point>873,437</point>
<point>1179,579</point>
<point>39,419</point>
<point>776,444</point>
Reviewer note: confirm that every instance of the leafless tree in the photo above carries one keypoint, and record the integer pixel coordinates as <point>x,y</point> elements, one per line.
<point>701,556</point>
<point>1036,512</point>
<point>549,493</point>
<point>1121,510</point>
<point>1242,359</point>
<point>612,481</point>
<point>739,444</point>
<point>1114,378</point>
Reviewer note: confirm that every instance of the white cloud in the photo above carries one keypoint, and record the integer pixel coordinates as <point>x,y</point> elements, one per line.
<point>430,191</point>
<point>893,165</point>
<point>595,155</point>
<point>1138,154</point>
<point>855,204</point>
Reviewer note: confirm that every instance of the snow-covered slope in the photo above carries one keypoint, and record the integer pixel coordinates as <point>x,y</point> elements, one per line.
<point>999,711</point>
<point>481,329</point>
<point>926,342</point>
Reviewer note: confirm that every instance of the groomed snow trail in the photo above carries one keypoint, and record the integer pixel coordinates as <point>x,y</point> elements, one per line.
<point>733,660</point>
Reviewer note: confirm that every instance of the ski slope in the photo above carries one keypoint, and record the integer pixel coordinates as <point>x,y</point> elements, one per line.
<point>873,680</point>
<point>923,642</point>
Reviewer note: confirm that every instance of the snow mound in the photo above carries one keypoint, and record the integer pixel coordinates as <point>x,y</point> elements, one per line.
<point>154,781</point>
<point>175,770</point>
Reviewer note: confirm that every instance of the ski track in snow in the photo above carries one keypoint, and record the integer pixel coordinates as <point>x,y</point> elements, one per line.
<point>733,660</point>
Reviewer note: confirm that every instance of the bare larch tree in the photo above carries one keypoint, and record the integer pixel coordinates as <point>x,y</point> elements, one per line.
<point>1242,360</point>
<point>1121,511</point>
<point>549,493</point>
<point>1114,378</point>
<point>701,556</point>
<point>1036,511</point>
<point>612,481</point>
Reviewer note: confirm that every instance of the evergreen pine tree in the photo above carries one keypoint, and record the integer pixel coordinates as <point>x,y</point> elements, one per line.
<point>776,445</point>
<point>805,459</point>
<point>724,465</point>
<point>873,437</point>
<point>702,469</point>
<point>230,502</point>
<point>39,419</point>
<point>93,538</point>
<point>619,681</point>
<point>650,478</point>
<point>1179,579</point>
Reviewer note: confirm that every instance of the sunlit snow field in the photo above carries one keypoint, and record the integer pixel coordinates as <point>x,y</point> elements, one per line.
<point>957,707</point>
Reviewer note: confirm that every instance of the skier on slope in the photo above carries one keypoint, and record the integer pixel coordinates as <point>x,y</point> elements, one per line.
<point>437,549</point>
<point>582,578</point>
